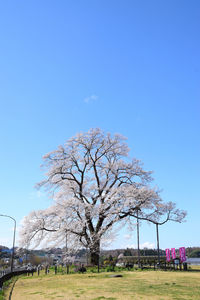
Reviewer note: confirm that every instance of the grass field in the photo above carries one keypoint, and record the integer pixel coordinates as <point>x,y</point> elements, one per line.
<point>133,285</point>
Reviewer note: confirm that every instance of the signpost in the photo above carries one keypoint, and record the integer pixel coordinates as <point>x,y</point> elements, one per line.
<point>182,254</point>
<point>173,253</point>
<point>167,251</point>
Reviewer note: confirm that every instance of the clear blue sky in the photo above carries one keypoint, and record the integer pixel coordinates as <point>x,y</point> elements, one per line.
<point>131,67</point>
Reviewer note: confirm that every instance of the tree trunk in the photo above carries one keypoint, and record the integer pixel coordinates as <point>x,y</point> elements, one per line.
<point>94,258</point>
<point>94,254</point>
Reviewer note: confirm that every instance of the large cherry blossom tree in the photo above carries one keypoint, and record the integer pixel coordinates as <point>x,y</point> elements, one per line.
<point>95,185</point>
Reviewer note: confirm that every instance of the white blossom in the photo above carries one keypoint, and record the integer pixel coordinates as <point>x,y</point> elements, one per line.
<point>94,185</point>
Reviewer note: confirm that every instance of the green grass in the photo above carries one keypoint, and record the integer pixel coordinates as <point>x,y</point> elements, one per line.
<point>133,285</point>
<point>6,288</point>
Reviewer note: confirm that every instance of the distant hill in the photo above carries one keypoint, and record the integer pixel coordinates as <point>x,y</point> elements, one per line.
<point>5,252</point>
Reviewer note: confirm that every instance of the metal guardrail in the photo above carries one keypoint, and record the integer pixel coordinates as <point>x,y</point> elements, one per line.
<point>6,271</point>
<point>9,275</point>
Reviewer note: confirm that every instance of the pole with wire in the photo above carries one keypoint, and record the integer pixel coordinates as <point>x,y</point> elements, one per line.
<point>13,250</point>
<point>138,240</point>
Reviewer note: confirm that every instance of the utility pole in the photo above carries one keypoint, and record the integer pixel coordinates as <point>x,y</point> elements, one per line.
<point>66,243</point>
<point>138,239</point>
<point>66,249</point>
<point>158,248</point>
<point>13,251</point>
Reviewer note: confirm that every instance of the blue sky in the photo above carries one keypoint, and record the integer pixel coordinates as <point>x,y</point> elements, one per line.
<point>130,67</point>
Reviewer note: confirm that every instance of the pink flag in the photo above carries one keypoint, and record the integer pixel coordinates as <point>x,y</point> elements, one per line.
<point>167,254</point>
<point>173,253</point>
<point>182,254</point>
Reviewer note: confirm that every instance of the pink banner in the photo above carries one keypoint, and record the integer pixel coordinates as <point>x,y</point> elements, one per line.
<point>173,253</point>
<point>182,254</point>
<point>167,254</point>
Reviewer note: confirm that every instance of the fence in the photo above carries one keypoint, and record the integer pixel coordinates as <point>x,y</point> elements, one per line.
<point>9,275</point>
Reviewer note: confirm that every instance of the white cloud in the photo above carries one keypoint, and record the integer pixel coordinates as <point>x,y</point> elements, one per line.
<point>91,99</point>
<point>127,236</point>
<point>36,194</point>
<point>147,245</point>
<point>6,241</point>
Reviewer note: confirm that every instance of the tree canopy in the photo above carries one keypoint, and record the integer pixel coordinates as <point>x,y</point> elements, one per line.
<point>95,185</point>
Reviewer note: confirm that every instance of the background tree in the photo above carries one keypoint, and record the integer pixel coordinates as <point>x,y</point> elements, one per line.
<point>195,253</point>
<point>95,186</point>
<point>127,252</point>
